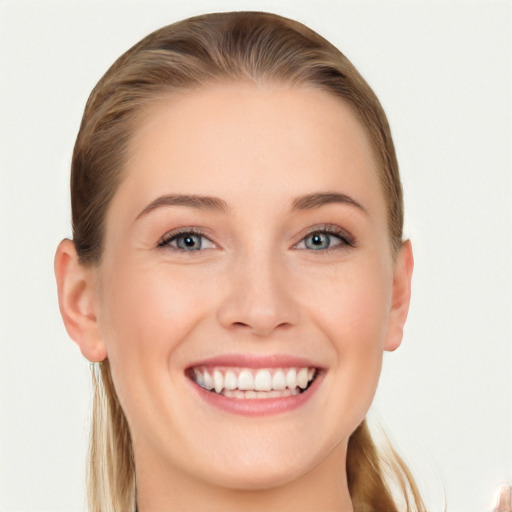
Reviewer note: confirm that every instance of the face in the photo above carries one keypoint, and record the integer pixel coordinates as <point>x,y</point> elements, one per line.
<point>245,295</point>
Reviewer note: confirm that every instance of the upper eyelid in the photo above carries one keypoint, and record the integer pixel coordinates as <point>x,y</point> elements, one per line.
<point>330,229</point>
<point>173,233</point>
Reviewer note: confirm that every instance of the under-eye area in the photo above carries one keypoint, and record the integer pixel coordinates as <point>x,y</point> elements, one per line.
<point>254,383</point>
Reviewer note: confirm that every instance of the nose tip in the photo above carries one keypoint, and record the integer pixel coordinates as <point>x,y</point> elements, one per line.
<point>258,303</point>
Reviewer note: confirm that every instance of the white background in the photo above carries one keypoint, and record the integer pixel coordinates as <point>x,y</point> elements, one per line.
<point>443,72</point>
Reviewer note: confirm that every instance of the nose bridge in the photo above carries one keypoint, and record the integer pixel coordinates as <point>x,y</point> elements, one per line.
<point>258,294</point>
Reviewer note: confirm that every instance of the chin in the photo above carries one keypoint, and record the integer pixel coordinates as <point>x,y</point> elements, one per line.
<point>272,463</point>
<point>259,475</point>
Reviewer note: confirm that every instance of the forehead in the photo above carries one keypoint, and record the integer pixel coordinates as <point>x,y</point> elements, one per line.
<point>257,141</point>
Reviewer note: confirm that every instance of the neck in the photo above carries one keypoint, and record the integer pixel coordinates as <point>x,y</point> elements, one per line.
<point>323,489</point>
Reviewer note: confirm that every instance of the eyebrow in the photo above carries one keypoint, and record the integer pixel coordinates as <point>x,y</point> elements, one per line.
<point>306,202</point>
<point>310,201</point>
<point>192,201</point>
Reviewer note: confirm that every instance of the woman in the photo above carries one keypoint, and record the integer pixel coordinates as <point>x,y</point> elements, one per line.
<point>237,270</point>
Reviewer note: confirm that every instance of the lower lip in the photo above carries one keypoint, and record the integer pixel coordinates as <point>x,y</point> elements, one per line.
<point>258,406</point>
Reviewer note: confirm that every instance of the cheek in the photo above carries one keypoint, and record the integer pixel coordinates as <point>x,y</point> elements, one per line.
<point>353,308</point>
<point>146,315</point>
<point>353,313</point>
<point>147,312</point>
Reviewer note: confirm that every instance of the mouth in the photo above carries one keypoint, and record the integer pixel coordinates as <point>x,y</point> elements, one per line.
<point>253,383</point>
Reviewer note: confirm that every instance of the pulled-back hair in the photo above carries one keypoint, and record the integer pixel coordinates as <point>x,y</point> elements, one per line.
<point>216,48</point>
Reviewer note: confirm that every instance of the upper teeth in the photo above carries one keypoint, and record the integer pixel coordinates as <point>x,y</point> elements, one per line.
<point>246,379</point>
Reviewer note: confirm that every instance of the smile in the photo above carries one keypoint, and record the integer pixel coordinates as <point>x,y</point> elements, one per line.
<point>256,385</point>
<point>253,383</point>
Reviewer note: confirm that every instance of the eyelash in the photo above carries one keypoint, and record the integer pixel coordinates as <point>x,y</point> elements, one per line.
<point>327,229</point>
<point>166,240</point>
<point>345,238</point>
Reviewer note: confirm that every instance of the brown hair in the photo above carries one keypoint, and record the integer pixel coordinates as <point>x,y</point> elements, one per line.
<point>201,50</point>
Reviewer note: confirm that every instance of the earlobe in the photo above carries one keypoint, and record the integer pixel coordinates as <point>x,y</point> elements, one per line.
<point>401,296</point>
<point>76,288</point>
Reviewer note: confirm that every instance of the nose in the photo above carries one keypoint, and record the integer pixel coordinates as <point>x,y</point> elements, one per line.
<point>258,298</point>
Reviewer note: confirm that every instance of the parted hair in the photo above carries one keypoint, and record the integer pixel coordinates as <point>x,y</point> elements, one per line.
<point>207,49</point>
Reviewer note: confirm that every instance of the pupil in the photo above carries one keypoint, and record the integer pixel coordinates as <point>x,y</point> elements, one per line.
<point>319,241</point>
<point>189,242</point>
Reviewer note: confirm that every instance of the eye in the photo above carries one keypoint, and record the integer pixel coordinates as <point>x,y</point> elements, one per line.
<point>186,240</point>
<point>323,239</point>
<point>318,241</point>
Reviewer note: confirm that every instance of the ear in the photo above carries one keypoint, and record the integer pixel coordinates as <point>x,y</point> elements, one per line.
<point>401,296</point>
<point>76,288</point>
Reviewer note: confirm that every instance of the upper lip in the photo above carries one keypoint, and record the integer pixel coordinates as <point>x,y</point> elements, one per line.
<point>256,361</point>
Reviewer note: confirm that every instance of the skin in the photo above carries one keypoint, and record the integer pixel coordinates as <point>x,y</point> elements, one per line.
<point>256,287</point>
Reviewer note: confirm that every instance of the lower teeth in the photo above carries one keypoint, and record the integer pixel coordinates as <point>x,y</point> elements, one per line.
<point>236,393</point>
